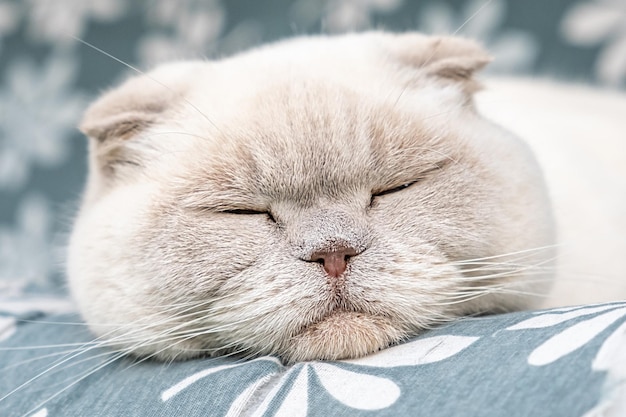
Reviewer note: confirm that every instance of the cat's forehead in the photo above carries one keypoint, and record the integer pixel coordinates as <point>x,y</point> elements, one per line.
<point>307,140</point>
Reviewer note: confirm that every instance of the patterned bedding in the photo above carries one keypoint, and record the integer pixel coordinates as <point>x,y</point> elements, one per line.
<point>568,362</point>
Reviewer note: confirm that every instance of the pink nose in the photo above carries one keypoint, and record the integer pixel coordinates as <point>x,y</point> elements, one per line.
<point>334,262</point>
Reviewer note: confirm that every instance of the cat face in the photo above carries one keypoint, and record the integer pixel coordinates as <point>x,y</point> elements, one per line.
<point>321,198</point>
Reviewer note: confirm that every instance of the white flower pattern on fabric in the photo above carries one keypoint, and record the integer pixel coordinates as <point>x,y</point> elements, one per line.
<point>58,21</point>
<point>169,393</point>
<point>344,15</point>
<point>9,18</point>
<point>239,405</point>
<point>611,348</point>
<point>600,22</point>
<point>32,235</point>
<point>374,392</point>
<point>7,327</point>
<point>420,352</point>
<point>40,109</point>
<point>611,358</point>
<point>296,402</point>
<point>553,318</point>
<point>575,336</point>
<point>181,32</point>
<point>338,16</point>
<point>41,413</point>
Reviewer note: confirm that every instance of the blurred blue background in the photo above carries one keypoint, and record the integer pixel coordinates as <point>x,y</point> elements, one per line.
<point>47,78</point>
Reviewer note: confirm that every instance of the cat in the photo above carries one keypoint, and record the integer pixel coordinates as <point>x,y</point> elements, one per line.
<point>319,198</point>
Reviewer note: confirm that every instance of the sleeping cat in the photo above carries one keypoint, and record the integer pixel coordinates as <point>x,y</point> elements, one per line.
<point>319,198</point>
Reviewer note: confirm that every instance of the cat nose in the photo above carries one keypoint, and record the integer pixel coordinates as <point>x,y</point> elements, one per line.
<point>334,261</point>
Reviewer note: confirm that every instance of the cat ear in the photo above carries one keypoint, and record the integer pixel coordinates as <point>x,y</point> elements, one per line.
<point>444,58</point>
<point>115,122</point>
<point>127,110</point>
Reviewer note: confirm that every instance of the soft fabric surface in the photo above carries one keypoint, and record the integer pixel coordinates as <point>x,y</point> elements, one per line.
<point>562,362</point>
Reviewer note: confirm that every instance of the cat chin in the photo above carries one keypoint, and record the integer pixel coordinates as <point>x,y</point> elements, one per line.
<point>342,335</point>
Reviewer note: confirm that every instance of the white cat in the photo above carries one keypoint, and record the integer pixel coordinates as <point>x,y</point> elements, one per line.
<point>325,197</point>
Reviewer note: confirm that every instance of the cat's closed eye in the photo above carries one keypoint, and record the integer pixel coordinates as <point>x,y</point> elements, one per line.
<point>244,211</point>
<point>394,190</point>
<point>377,194</point>
<point>247,212</point>
<point>421,177</point>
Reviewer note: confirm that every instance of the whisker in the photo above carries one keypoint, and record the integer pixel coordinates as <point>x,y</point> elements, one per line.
<point>61,345</point>
<point>503,255</point>
<point>87,374</point>
<point>469,19</point>
<point>138,71</point>
<point>42,357</point>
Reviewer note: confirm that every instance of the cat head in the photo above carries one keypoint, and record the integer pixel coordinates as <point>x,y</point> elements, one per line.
<point>319,198</point>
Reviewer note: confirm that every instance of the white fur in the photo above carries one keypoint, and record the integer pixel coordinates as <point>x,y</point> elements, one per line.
<point>310,130</point>
<point>579,136</point>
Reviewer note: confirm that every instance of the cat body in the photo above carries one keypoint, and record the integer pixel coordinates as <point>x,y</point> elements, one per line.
<point>578,135</point>
<point>320,198</point>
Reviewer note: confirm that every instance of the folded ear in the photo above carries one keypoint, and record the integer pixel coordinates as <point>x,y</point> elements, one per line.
<point>130,108</point>
<point>124,112</point>
<point>444,58</point>
<point>115,122</point>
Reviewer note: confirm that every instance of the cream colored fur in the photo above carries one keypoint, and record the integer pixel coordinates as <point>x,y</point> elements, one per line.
<point>579,137</point>
<point>212,186</point>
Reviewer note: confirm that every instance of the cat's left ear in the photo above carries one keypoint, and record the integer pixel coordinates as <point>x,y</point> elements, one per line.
<point>443,58</point>
<point>123,113</point>
<point>119,122</point>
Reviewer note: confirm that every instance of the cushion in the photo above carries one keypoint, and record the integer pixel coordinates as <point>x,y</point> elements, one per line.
<point>560,362</point>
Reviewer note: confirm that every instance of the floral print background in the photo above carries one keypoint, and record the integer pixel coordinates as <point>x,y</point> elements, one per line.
<point>566,362</point>
<point>56,55</point>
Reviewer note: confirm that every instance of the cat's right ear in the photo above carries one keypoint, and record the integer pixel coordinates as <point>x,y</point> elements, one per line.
<point>117,122</point>
<point>443,59</point>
